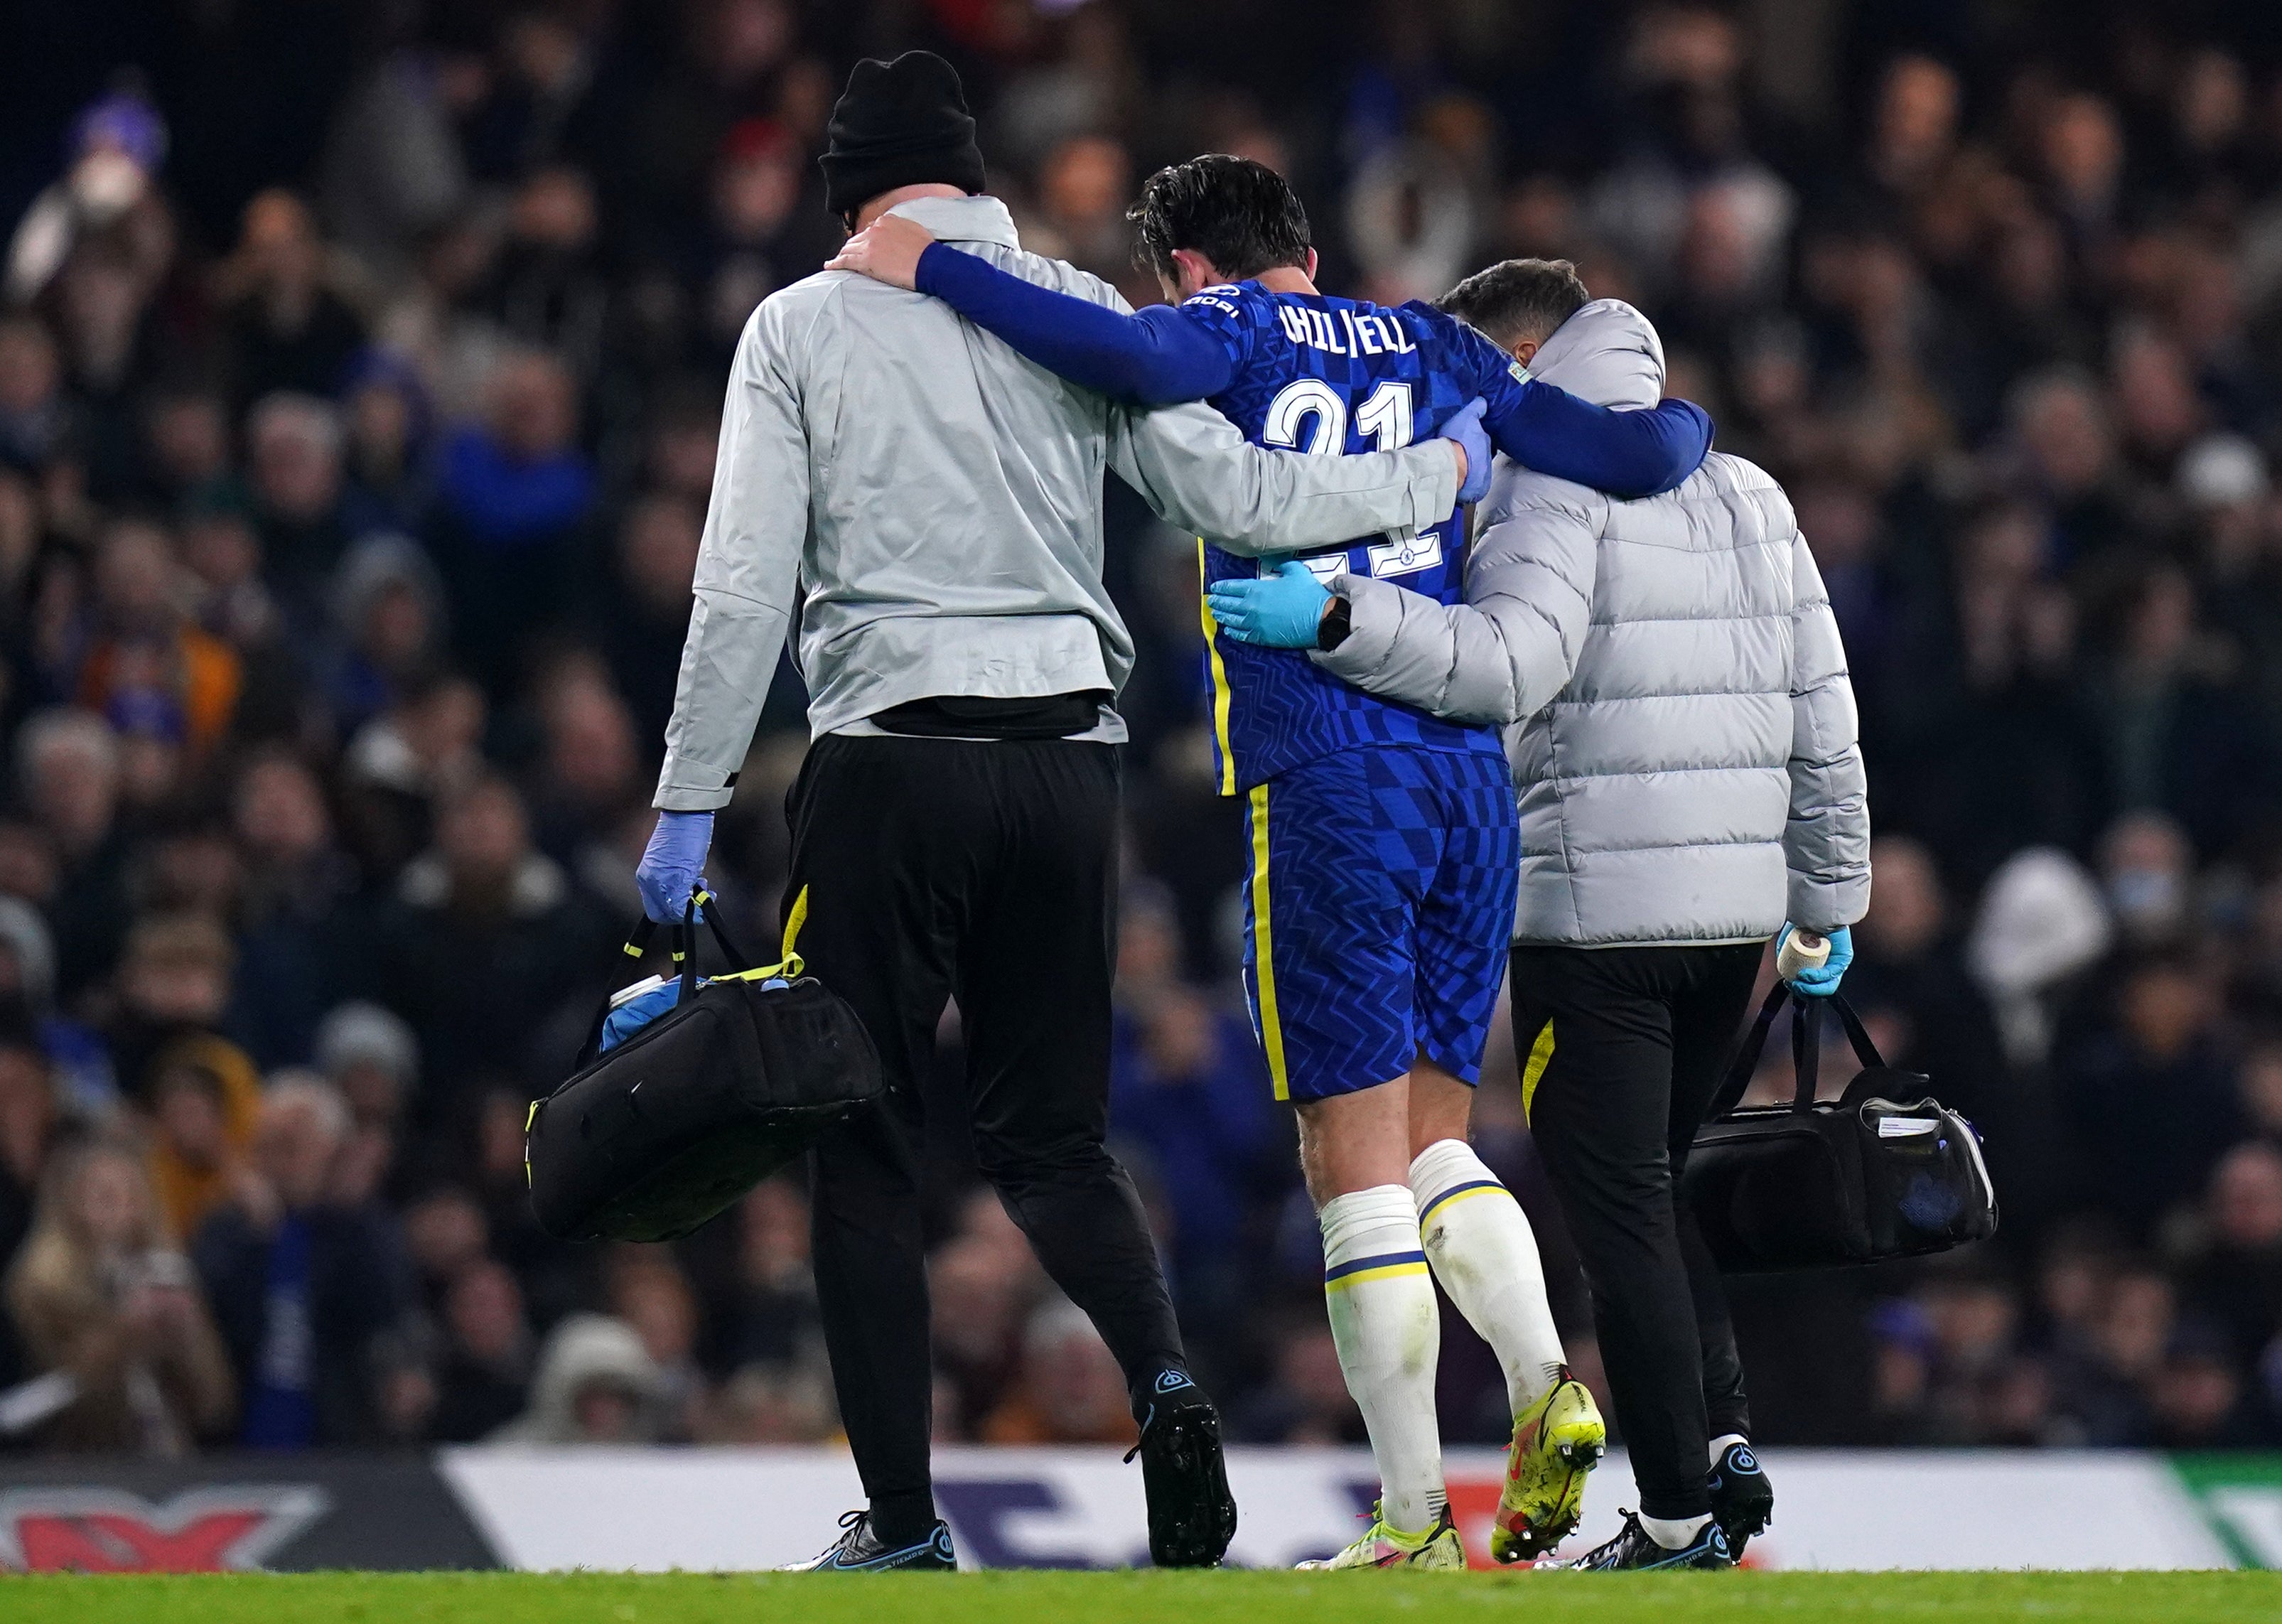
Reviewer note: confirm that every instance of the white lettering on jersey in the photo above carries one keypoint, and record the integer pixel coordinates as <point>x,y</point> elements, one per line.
<point>1294,404</point>
<point>1404,557</point>
<point>1365,335</point>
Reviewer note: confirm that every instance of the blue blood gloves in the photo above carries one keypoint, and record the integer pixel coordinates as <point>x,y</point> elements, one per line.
<point>670,868</point>
<point>1823,979</point>
<point>1282,610</point>
<point>1465,427</point>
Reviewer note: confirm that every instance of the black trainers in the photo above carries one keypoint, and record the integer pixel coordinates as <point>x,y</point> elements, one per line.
<point>1743,1500</point>
<point>1635,1551</point>
<point>861,1551</point>
<point>1191,1514</point>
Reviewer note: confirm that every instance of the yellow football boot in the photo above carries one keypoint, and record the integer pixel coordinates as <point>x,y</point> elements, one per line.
<point>1555,1442</point>
<point>1380,1546</point>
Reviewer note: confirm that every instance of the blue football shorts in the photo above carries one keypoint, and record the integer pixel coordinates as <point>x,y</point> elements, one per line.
<point>1378,909</point>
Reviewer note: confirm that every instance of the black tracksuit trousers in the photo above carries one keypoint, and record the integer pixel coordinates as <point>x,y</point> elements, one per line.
<point>1623,1049</point>
<point>943,868</point>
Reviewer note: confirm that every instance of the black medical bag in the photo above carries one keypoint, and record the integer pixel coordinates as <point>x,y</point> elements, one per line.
<point>650,1140</point>
<point>1884,1172</point>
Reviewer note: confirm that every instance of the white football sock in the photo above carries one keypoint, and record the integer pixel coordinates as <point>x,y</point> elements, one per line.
<point>1388,1329</point>
<point>1719,1444</point>
<point>1485,1254</point>
<point>1674,1533</point>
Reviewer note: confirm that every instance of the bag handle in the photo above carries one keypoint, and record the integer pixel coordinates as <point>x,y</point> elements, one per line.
<point>1857,1033</point>
<point>1747,1055</point>
<point>685,949</point>
<point>1807,1046</point>
<point>637,944</point>
<point>1805,1054</point>
<point>702,906</point>
<point>706,907</point>
<point>1805,1051</point>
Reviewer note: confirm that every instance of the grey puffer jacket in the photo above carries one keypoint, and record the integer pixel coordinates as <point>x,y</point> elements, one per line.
<point>1680,723</point>
<point>926,505</point>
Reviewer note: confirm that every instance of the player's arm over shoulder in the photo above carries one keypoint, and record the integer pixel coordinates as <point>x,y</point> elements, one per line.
<point>1514,643</point>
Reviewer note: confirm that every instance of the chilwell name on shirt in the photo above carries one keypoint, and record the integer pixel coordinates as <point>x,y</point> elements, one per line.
<point>1366,335</point>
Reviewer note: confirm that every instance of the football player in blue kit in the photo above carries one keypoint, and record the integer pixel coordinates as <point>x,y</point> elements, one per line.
<point>1384,847</point>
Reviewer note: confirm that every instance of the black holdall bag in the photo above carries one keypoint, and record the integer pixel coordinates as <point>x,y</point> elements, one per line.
<point>649,1141</point>
<point>1817,1185</point>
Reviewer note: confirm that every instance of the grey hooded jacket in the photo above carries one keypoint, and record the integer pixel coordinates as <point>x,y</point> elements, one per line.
<point>928,504</point>
<point>1680,723</point>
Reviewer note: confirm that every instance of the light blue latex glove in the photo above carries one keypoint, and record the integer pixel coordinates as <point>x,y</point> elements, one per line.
<point>1822,981</point>
<point>1282,610</point>
<point>1464,425</point>
<point>669,868</point>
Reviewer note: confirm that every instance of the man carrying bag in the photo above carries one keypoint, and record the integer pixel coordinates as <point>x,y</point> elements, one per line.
<point>1683,741</point>
<point>931,504</point>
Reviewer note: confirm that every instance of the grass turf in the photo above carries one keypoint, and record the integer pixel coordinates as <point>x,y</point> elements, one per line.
<point>1141,1597</point>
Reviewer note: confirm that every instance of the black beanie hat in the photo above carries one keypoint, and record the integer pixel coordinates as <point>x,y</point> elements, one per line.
<point>899,123</point>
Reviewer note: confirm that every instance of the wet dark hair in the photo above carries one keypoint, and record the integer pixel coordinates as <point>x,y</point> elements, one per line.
<point>1518,298</point>
<point>1239,214</point>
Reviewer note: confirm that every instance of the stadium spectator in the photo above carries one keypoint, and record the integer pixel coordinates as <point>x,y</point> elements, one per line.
<point>767,1404</point>
<point>764,1313</point>
<point>201,1100</point>
<point>99,1294</point>
<point>299,501</point>
<point>67,765</point>
<point>1067,1389</point>
<point>595,1384</point>
<point>484,1375</point>
<point>289,326</point>
<point>513,495</point>
<point>485,939</point>
<point>28,1118</point>
<point>371,1056</point>
<point>290,955</point>
<point>304,1291</point>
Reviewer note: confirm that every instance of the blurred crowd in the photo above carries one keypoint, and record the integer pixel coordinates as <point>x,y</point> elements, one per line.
<point>359,380</point>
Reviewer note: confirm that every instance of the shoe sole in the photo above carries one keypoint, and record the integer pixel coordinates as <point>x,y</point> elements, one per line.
<point>1192,1511</point>
<point>1748,1525</point>
<point>1677,1561</point>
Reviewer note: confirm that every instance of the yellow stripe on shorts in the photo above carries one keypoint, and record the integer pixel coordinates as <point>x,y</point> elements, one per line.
<point>1540,1055</point>
<point>1264,948</point>
<point>1222,694</point>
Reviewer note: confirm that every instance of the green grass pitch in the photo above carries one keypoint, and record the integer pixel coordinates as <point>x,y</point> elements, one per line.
<point>1142,1599</point>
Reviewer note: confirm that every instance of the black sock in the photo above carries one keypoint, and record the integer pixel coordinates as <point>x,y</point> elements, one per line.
<point>898,1520</point>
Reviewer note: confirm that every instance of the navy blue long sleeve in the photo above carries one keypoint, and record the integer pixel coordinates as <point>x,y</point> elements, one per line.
<point>1153,357</point>
<point>1160,355</point>
<point>1626,454</point>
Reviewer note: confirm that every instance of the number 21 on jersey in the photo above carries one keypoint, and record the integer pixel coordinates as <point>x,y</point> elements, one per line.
<point>1384,416</point>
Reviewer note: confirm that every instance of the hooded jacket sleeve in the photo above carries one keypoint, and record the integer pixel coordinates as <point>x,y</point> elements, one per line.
<point>1514,643</point>
<point>1827,839</point>
<point>748,573</point>
<point>1199,474</point>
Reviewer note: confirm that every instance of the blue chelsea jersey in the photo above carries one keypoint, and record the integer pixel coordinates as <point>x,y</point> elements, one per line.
<point>1331,376</point>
